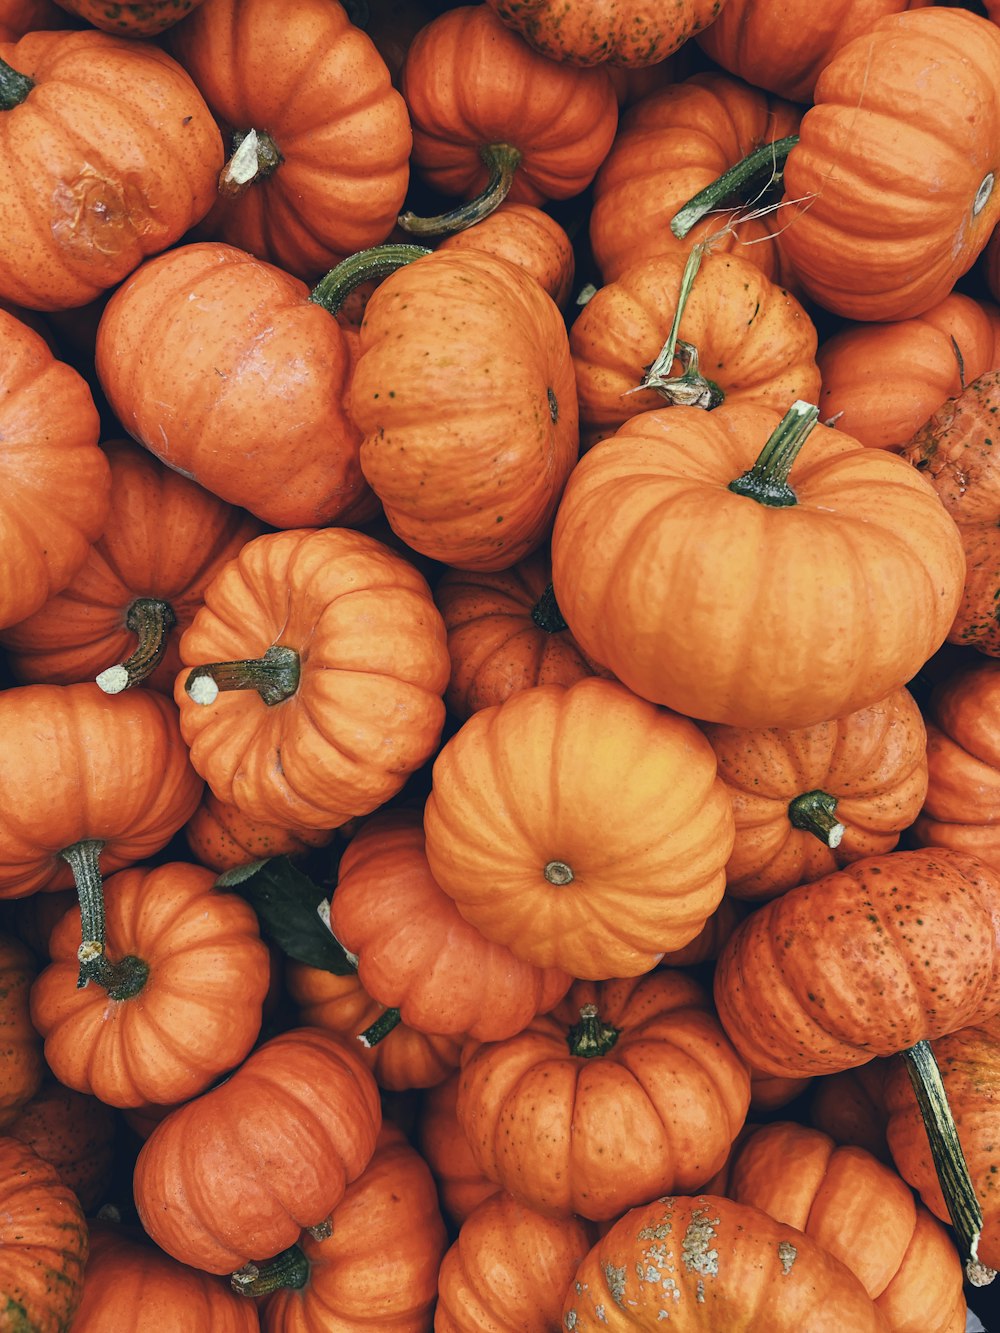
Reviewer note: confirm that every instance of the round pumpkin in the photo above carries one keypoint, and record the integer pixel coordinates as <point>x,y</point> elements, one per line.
<point>221,837</point>
<point>527,237</point>
<point>461,1183</point>
<point>598,31</point>
<point>76,1133</point>
<point>22,1066</point>
<point>145,19</point>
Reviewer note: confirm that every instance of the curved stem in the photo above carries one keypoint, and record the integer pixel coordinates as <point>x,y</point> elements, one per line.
<point>288,1270</point>
<point>813,812</point>
<point>767,481</point>
<point>502,160</point>
<point>380,1029</point>
<point>757,172</point>
<point>591,1036</point>
<point>123,979</point>
<point>14,86</point>
<point>255,156</point>
<point>546,614</point>
<point>949,1159</point>
<point>151,620</point>
<point>367,265</point>
<point>275,677</point>
<point>690,388</point>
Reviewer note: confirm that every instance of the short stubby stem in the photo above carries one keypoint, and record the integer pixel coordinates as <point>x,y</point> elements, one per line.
<point>591,1036</point>
<point>124,979</point>
<point>380,1029</point>
<point>287,1270</point>
<point>255,157</point>
<point>151,620</point>
<point>558,873</point>
<point>749,179</point>
<point>14,86</point>
<point>275,677</point>
<point>546,614</point>
<point>501,160</point>
<point>366,266</point>
<point>767,481</point>
<point>814,812</point>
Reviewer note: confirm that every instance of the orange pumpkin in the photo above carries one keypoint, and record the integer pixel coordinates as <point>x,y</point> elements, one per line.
<point>527,237</point>
<point>461,1183</point>
<point>145,19</point>
<point>849,1107</point>
<point>76,1133</point>
<point>595,32</point>
<point>20,16</point>
<point>22,1066</point>
<point>221,837</point>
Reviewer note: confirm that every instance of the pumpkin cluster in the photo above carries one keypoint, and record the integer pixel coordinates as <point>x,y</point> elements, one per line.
<point>499,649</point>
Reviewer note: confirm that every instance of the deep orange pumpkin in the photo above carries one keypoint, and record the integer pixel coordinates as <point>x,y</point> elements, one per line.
<point>461,1183</point>
<point>76,1133</point>
<point>598,31</point>
<point>849,1107</point>
<point>22,1065</point>
<point>144,19</point>
<point>529,238</point>
<point>221,837</point>
<point>20,16</point>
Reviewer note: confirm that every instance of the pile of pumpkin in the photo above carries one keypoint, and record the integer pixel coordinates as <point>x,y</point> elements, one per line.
<point>478,556</point>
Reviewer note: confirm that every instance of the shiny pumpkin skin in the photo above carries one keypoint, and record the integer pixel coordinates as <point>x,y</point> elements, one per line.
<point>461,1183</point>
<point>873,762</point>
<point>657,493</point>
<point>81,765</point>
<point>367,710</point>
<point>43,1244</point>
<point>165,538</point>
<point>527,237</point>
<point>316,84</point>
<point>56,481</point>
<point>416,953</point>
<point>600,31</point>
<point>592,781</point>
<point>713,1264</point>
<point>469,81</point>
<point>21,1067</point>
<point>206,1184</point>
<point>508,1269</point>
<point>754,340</point>
<point>670,145</point>
<point>76,1134</point>
<point>591,1134</point>
<point>146,19</point>
<point>199,1011</point>
<point>379,1268</point>
<point>862,1213</point>
<point>235,323</point>
<point>467,451</point>
<point>864,962</point>
<point>904,133</point>
<point>118,156</point>
<point>221,837</point>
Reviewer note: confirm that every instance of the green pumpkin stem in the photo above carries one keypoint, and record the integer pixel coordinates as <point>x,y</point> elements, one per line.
<point>151,620</point>
<point>690,388</point>
<point>546,614</point>
<point>288,1270</point>
<point>380,1029</point>
<point>14,87</point>
<point>255,157</point>
<point>124,979</point>
<point>591,1036</point>
<point>767,481</point>
<point>949,1159</point>
<point>502,160</point>
<point>275,677</point>
<point>813,812</point>
<point>366,266</point>
<point>747,180</point>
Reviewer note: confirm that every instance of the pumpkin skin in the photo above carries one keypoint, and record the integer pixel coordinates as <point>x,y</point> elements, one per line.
<point>592,33</point>
<point>239,322</point>
<point>872,762</point>
<point>910,147</point>
<point>165,538</point>
<point>196,1016</point>
<point>367,708</point>
<point>43,1243</point>
<point>728,656</point>
<point>131,20</point>
<point>755,342</point>
<point>221,837</point>
<point>80,765</point>
<point>56,481</point>
<point>150,153</point>
<point>612,1137</point>
<point>239,1172</point>
<point>849,1108</point>
<point>317,86</point>
<point>670,145</point>
<point>527,237</point>
<point>461,1184</point>
<point>20,16</point>
<point>881,968</point>
<point>714,1264</point>
<point>76,1134</point>
<point>581,827</point>
<point>22,1066</point>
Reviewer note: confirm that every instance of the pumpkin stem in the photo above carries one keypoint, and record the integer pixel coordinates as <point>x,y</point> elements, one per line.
<point>124,979</point>
<point>749,178</point>
<point>367,265</point>
<point>546,614</point>
<point>767,481</point>
<point>14,87</point>
<point>690,388</point>
<point>813,812</point>
<point>501,161</point>
<point>152,620</point>
<point>275,677</point>
<point>591,1036</point>
<point>288,1270</point>
<point>255,156</point>
<point>380,1029</point>
<point>949,1159</point>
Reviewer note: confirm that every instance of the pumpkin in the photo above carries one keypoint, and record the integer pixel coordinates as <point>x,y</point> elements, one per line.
<point>76,1134</point>
<point>595,32</point>
<point>764,600</point>
<point>20,16</point>
<point>56,481</point>
<point>340,671</point>
<point>609,1139</point>
<point>708,1263</point>
<point>706,945</point>
<point>22,1066</point>
<point>461,1183</point>
<point>146,19</point>
<point>582,827</point>
<point>811,799</point>
<point>898,157</point>
<point>527,237</point>
<point>221,837</point>
<point>121,615</point>
<point>319,140</point>
<point>178,996</point>
<point>43,1243</point>
<point>508,1269</point>
<point>849,1108</point>
<point>116,155</point>
<point>236,1174</point>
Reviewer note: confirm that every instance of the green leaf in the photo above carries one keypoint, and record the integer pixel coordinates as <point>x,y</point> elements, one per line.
<point>288,905</point>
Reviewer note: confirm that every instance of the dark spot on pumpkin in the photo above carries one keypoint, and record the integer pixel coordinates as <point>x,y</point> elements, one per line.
<point>553,405</point>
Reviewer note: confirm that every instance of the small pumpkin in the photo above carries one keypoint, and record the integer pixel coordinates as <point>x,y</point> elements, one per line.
<point>849,1107</point>
<point>529,238</point>
<point>22,1066</point>
<point>460,1181</point>
<point>592,33</point>
<point>145,19</point>
<point>74,1132</point>
<point>221,837</point>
